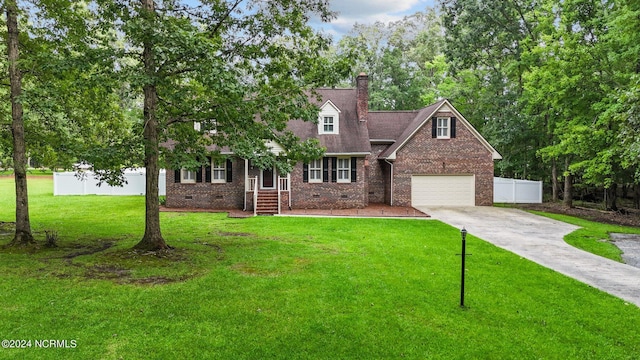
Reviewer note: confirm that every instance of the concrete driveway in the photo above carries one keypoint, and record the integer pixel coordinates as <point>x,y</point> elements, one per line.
<point>541,240</point>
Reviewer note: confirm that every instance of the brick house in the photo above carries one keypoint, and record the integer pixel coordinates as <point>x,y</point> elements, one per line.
<point>427,157</point>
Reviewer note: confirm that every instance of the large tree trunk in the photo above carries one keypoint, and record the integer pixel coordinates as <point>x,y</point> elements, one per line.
<point>554,181</point>
<point>636,196</point>
<point>23,234</point>
<point>152,239</point>
<point>567,199</point>
<point>611,194</point>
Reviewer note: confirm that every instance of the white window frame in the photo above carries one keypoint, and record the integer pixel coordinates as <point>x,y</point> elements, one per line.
<point>218,171</point>
<point>443,128</point>
<point>343,173</point>
<point>328,125</point>
<point>188,176</point>
<point>329,111</point>
<point>197,126</point>
<point>315,171</point>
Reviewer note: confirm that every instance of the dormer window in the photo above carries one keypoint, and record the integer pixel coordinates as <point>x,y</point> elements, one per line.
<point>327,124</point>
<point>329,119</point>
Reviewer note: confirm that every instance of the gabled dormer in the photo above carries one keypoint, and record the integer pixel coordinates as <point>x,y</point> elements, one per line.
<point>329,119</point>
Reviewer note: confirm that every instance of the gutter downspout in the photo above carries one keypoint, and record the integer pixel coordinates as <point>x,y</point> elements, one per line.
<point>390,183</point>
<point>246,186</point>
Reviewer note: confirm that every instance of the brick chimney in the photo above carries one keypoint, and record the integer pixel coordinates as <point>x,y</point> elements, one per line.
<point>362,93</point>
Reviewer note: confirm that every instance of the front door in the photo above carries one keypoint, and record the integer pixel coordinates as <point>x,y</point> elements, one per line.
<point>268,180</point>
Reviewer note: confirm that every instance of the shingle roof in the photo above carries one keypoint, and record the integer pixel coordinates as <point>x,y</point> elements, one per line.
<point>353,136</point>
<point>389,125</point>
<point>417,121</point>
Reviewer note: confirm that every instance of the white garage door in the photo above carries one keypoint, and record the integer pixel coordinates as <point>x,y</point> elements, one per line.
<point>443,190</point>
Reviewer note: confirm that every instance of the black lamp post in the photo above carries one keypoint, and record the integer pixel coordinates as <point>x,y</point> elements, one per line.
<point>463,232</point>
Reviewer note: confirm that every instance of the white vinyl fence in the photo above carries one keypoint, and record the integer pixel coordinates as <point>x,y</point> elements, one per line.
<point>67,183</point>
<point>516,191</point>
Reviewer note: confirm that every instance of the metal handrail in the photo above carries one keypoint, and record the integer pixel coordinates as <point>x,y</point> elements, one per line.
<point>254,184</point>
<point>278,187</point>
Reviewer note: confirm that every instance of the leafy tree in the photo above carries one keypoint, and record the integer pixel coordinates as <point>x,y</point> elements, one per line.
<point>485,46</point>
<point>23,234</point>
<point>395,57</point>
<point>56,95</point>
<point>555,81</point>
<point>240,68</point>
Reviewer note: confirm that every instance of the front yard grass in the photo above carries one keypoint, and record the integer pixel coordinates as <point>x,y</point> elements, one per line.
<point>287,288</point>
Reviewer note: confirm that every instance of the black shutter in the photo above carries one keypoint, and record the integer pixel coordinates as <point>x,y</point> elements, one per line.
<point>176,176</point>
<point>334,169</point>
<point>453,127</point>
<point>305,172</point>
<point>325,169</point>
<point>434,127</point>
<point>354,169</point>
<point>199,174</point>
<point>207,171</point>
<point>229,171</point>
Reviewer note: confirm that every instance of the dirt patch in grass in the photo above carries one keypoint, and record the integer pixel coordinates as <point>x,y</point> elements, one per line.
<point>219,250</point>
<point>172,255</point>
<point>156,280</point>
<point>106,271</point>
<point>248,270</point>
<point>625,217</point>
<point>7,228</point>
<point>225,233</point>
<point>124,266</point>
<point>89,251</point>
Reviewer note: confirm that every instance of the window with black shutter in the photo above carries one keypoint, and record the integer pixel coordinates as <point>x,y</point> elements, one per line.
<point>453,127</point>
<point>434,127</point>
<point>325,169</point>
<point>354,169</point>
<point>229,171</point>
<point>207,171</point>
<point>305,172</point>
<point>334,169</point>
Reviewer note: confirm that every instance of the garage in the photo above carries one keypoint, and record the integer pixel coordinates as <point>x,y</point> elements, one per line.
<point>443,190</point>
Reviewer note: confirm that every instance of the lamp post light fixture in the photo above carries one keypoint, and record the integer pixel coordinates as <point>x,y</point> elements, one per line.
<point>463,232</point>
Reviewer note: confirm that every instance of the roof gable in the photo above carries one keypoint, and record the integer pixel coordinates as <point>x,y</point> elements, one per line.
<point>423,117</point>
<point>329,106</point>
<point>352,136</point>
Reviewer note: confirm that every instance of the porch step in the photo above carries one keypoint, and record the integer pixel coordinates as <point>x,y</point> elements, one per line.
<point>267,203</point>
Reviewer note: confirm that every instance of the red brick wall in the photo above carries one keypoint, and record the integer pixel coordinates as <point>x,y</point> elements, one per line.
<point>376,176</point>
<point>208,195</point>
<point>328,195</point>
<point>424,155</point>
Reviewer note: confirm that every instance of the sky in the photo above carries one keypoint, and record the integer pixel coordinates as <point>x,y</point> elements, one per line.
<point>368,12</point>
<point>351,12</point>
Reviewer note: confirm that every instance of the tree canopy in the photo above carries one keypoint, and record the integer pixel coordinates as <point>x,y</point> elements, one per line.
<point>553,86</point>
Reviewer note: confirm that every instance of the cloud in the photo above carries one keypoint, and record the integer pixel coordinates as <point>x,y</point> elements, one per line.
<point>351,12</point>
<point>371,8</point>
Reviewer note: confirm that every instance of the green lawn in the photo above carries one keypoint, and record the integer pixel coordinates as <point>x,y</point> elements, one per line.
<point>290,288</point>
